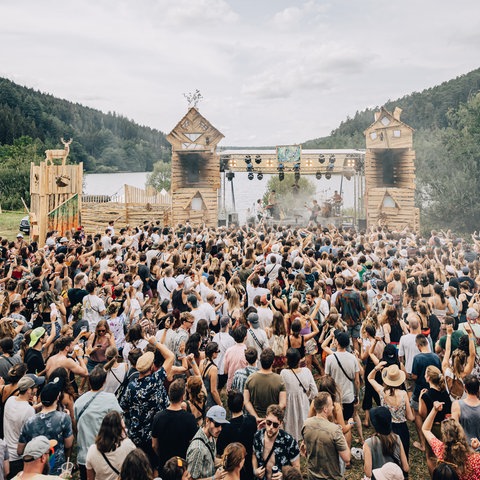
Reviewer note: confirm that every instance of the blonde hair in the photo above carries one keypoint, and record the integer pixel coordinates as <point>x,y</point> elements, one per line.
<point>436,377</point>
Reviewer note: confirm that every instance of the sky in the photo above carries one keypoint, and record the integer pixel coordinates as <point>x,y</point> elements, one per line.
<point>272,72</point>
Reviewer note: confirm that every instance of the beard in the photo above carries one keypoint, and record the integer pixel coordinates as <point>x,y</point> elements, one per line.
<point>46,468</point>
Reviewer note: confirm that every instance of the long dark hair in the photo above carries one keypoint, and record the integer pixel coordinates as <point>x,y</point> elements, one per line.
<point>111,433</point>
<point>136,466</point>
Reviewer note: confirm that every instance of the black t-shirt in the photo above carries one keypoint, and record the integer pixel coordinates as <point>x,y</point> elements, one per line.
<point>34,361</point>
<point>177,301</point>
<point>144,274</point>
<point>432,396</point>
<point>75,295</point>
<point>241,429</point>
<point>170,445</point>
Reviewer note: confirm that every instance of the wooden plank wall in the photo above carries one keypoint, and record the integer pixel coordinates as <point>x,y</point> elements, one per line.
<point>181,211</point>
<point>95,216</point>
<point>404,168</point>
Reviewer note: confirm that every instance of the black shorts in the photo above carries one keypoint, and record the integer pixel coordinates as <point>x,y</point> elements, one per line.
<point>347,409</point>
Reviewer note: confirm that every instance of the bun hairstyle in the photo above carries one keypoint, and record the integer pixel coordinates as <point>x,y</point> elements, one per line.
<point>232,456</point>
<point>436,377</point>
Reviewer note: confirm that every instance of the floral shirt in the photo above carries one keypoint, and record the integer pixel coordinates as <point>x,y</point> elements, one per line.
<point>285,448</point>
<point>472,466</point>
<point>53,425</point>
<point>143,398</point>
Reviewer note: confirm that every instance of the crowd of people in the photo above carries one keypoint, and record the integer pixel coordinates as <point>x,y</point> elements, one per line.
<point>239,353</point>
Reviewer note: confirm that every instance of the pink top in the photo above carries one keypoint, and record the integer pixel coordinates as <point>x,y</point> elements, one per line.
<point>234,360</point>
<point>472,467</point>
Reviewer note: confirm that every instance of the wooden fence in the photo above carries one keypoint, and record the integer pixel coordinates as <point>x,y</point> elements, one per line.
<point>133,207</point>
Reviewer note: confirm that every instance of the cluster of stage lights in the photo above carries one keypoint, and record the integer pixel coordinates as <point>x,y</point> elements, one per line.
<point>296,168</point>
<point>248,161</point>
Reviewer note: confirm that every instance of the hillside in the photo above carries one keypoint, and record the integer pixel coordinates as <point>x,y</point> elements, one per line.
<point>426,110</point>
<point>103,142</point>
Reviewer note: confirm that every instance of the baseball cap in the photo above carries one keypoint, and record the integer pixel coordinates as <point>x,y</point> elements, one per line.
<point>25,383</point>
<point>253,319</point>
<point>145,362</point>
<point>37,447</point>
<point>36,335</point>
<point>63,240</point>
<point>218,414</point>
<point>180,279</point>
<point>19,235</point>
<point>50,393</point>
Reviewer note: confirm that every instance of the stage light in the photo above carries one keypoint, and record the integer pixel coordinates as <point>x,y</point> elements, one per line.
<point>296,167</point>
<point>281,176</point>
<point>230,176</point>
<point>330,167</point>
<point>318,175</point>
<point>297,176</point>
<point>258,159</point>
<point>332,159</point>
<point>259,176</point>
<point>248,159</point>
<point>328,175</point>
<point>321,158</point>
<point>251,176</point>
<point>280,167</point>
<point>249,167</point>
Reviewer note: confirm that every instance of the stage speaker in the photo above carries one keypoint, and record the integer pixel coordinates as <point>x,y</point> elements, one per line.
<point>222,222</point>
<point>362,223</point>
<point>233,218</point>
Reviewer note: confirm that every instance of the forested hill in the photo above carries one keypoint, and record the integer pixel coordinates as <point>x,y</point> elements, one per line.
<point>426,110</point>
<point>103,142</point>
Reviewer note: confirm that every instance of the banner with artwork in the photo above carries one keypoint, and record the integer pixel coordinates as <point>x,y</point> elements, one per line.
<point>289,153</point>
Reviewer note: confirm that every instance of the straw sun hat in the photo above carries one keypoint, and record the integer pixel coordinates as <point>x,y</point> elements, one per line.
<point>393,376</point>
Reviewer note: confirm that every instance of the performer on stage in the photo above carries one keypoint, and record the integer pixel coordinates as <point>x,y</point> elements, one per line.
<point>272,205</point>
<point>314,211</point>
<point>258,210</point>
<point>337,203</point>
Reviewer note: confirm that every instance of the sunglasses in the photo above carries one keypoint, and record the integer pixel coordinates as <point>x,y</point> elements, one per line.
<point>272,424</point>
<point>217,424</point>
<point>101,331</point>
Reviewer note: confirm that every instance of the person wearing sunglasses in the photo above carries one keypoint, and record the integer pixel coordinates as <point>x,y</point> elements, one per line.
<point>202,450</point>
<point>273,448</point>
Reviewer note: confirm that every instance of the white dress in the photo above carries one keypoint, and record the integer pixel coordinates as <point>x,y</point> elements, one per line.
<point>298,402</point>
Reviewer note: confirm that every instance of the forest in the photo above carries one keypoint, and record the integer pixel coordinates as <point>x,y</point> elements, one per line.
<point>446,119</point>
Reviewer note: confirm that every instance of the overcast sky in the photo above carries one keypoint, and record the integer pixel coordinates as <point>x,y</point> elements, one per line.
<point>272,72</point>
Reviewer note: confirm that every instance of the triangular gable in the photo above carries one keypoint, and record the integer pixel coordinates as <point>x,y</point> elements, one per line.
<point>194,132</point>
<point>198,194</point>
<point>394,122</point>
<point>388,193</point>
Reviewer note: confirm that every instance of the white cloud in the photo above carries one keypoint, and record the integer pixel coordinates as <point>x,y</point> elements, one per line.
<point>271,72</point>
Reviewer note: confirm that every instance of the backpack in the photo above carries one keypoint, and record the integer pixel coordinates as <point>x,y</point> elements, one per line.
<point>122,388</point>
<point>455,387</point>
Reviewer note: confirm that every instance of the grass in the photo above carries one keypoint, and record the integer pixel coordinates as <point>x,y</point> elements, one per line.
<point>9,222</point>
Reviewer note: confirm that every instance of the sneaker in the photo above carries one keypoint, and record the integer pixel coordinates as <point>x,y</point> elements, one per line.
<point>357,453</point>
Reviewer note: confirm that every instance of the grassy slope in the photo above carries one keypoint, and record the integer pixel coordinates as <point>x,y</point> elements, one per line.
<point>9,222</point>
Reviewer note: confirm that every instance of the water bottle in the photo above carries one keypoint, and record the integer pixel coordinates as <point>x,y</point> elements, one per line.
<point>274,470</point>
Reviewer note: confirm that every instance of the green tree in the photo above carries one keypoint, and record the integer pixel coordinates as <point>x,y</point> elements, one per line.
<point>161,176</point>
<point>449,172</point>
<point>288,197</point>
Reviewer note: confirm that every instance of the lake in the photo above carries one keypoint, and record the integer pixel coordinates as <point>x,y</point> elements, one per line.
<point>246,192</point>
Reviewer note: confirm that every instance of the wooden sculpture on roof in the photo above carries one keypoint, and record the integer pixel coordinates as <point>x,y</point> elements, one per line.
<point>390,172</point>
<point>195,170</point>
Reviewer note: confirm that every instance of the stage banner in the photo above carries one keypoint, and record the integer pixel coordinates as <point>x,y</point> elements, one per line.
<point>289,153</point>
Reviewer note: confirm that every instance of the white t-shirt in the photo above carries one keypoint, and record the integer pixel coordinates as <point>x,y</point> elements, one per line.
<point>92,306</point>
<point>350,365</point>
<point>224,340</point>
<point>96,462</point>
<point>15,413</point>
<point>165,287</point>
<point>252,292</point>
<point>265,317</point>
<point>407,348</point>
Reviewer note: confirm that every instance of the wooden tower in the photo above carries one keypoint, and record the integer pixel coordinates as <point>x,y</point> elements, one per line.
<point>390,172</point>
<point>195,170</point>
<point>55,194</point>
